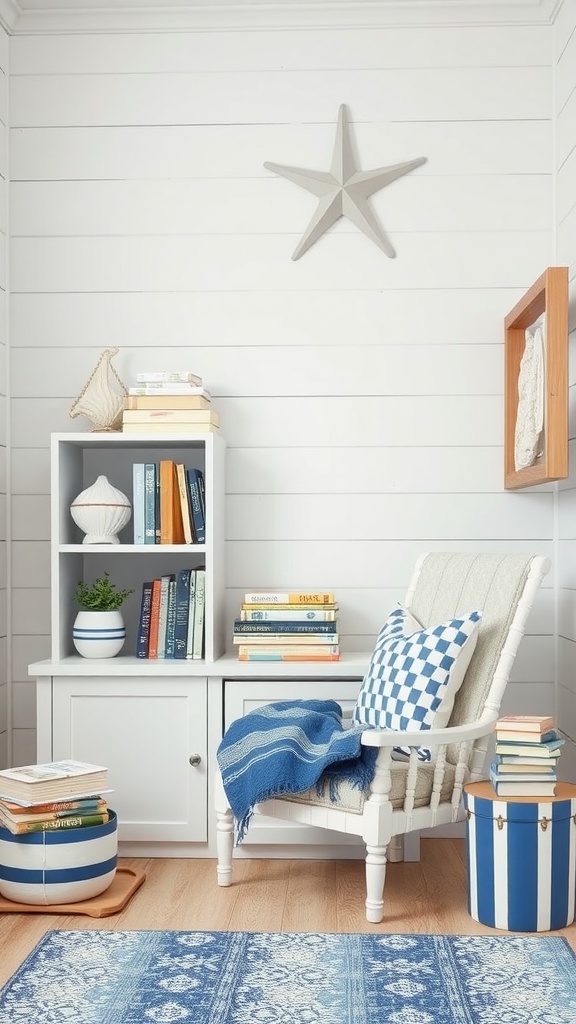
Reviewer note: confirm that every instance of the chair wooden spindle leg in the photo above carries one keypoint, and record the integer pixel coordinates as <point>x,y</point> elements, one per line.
<point>224,845</point>
<point>375,876</point>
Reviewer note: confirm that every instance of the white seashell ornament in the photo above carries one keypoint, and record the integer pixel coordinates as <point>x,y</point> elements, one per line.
<point>101,511</point>
<point>98,400</point>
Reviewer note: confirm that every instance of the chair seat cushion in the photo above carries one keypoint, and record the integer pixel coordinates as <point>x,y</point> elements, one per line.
<point>415,672</point>
<point>353,800</point>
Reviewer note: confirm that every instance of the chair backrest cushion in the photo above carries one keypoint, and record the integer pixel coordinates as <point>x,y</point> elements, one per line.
<point>415,671</point>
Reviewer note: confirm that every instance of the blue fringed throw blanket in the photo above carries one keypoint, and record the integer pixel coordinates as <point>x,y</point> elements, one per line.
<point>285,748</point>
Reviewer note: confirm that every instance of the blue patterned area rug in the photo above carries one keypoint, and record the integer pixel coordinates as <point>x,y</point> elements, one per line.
<point>169,977</point>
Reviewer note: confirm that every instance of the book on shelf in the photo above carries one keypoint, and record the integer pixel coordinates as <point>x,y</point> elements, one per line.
<point>163,613</point>
<point>275,597</point>
<point>199,611</point>
<point>186,511</point>
<point>170,619</point>
<point>138,501</point>
<point>507,765</point>
<point>154,619</point>
<point>164,401</point>
<point>168,388</point>
<point>514,789</point>
<point>498,773</point>
<point>524,737</point>
<point>181,612</point>
<point>176,428</point>
<point>22,812</point>
<point>171,528</point>
<point>285,638</point>
<point>55,824</point>
<point>168,377</point>
<point>143,632</point>
<point>537,724</point>
<point>287,652</point>
<point>39,783</point>
<point>196,492</point>
<point>545,749</point>
<point>261,627</point>
<point>154,416</point>
<point>150,488</point>
<point>191,606</point>
<point>282,614</point>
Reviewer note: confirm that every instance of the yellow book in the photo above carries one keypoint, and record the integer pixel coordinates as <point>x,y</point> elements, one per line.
<point>275,598</point>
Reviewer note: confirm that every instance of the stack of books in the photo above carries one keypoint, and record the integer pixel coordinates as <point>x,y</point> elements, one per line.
<point>527,753</point>
<point>171,623</point>
<point>46,797</point>
<point>168,503</point>
<point>287,627</point>
<point>169,403</point>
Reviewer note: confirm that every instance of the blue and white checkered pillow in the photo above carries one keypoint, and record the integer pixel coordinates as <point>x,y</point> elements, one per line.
<point>415,673</point>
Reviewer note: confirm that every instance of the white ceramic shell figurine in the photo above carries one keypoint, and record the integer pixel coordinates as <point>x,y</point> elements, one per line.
<point>98,400</point>
<point>101,511</point>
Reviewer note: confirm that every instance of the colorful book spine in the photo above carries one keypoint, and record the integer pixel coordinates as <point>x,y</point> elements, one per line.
<point>198,643</point>
<point>163,614</point>
<point>319,598</point>
<point>143,635</point>
<point>293,639</point>
<point>283,614</point>
<point>182,605</point>
<point>150,504</point>
<point>280,626</point>
<point>194,477</point>
<point>191,605</point>
<point>138,500</point>
<point>258,655</point>
<point>183,494</point>
<point>59,807</point>
<point>290,651</point>
<point>51,825</point>
<point>154,619</point>
<point>170,619</point>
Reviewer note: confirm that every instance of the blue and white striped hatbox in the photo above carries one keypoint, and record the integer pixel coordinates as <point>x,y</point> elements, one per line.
<point>521,858</point>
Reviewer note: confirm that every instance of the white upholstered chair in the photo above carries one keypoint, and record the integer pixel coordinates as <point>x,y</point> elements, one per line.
<point>412,795</point>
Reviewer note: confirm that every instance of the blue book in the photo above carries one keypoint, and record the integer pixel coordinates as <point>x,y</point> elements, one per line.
<point>150,503</point>
<point>170,619</point>
<point>138,490</point>
<point>194,476</point>
<point>182,602</point>
<point>143,635</point>
<point>278,626</point>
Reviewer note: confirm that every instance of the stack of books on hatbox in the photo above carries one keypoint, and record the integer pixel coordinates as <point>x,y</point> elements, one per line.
<point>166,402</point>
<point>527,753</point>
<point>46,797</point>
<point>287,627</point>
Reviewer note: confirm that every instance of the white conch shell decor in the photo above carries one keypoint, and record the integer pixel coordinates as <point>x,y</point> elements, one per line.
<point>98,400</point>
<point>101,511</point>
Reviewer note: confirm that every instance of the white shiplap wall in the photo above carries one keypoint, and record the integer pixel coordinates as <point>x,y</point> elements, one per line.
<point>4,391</point>
<point>361,397</point>
<point>565,63</point>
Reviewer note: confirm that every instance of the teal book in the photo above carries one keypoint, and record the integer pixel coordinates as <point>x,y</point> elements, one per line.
<point>181,612</point>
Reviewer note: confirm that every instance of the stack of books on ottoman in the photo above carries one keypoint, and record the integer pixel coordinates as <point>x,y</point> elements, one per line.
<point>287,627</point>
<point>527,751</point>
<point>46,797</point>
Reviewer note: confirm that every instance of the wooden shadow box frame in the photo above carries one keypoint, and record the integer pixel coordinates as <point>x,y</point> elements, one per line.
<point>548,296</point>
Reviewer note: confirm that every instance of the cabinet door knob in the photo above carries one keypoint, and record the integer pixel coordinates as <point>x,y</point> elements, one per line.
<point>194,760</point>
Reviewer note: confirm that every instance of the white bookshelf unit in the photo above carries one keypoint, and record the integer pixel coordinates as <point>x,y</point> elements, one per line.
<point>156,723</point>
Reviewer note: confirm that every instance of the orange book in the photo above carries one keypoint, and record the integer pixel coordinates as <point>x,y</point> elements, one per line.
<point>171,527</point>
<point>154,619</point>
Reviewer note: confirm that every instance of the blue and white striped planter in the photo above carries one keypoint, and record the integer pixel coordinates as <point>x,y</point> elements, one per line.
<point>99,634</point>
<point>45,868</point>
<point>521,859</point>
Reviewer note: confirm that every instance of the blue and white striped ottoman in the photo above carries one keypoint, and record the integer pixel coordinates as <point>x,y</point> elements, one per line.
<point>64,866</point>
<point>521,858</point>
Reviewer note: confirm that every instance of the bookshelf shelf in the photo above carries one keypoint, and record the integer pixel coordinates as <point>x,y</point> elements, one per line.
<point>132,549</point>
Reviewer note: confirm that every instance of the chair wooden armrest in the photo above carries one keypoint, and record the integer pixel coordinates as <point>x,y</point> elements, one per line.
<point>429,737</point>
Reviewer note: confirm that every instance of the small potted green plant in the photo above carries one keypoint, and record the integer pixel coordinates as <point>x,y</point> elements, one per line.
<point>99,630</point>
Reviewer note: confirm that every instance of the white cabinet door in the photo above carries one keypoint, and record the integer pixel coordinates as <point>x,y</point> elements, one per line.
<point>242,696</point>
<point>152,737</point>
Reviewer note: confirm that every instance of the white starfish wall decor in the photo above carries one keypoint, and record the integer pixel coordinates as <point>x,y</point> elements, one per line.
<point>343,191</point>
